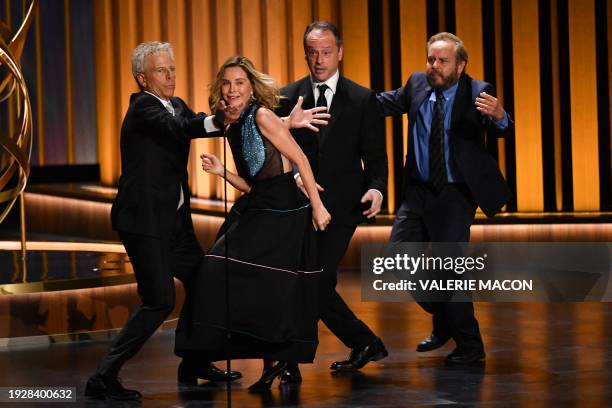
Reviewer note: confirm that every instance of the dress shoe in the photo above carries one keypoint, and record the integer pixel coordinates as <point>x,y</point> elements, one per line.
<point>268,376</point>
<point>291,374</point>
<point>188,373</point>
<point>459,356</point>
<point>103,387</point>
<point>360,356</point>
<point>431,342</point>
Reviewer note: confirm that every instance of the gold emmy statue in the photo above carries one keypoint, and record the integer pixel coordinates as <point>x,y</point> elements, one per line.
<point>17,144</point>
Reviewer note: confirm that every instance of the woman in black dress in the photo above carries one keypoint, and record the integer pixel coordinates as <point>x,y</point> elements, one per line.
<point>267,246</point>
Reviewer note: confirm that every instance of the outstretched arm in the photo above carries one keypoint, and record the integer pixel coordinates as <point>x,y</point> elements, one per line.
<point>211,164</point>
<point>277,133</point>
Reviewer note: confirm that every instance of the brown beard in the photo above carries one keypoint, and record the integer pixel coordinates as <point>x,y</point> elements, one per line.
<point>447,81</point>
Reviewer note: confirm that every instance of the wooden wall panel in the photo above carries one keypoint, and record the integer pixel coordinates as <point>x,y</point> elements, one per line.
<point>326,10</point>
<point>126,39</point>
<point>413,40</point>
<point>177,36</point>
<point>205,32</point>
<point>150,20</point>
<point>69,93</point>
<point>202,70</point>
<point>354,18</point>
<point>499,76</point>
<point>609,25</point>
<point>106,96</point>
<point>225,36</point>
<point>276,40</point>
<point>298,17</point>
<point>556,103</point>
<point>249,41</point>
<point>529,177</point>
<point>468,16</point>
<point>386,11</point>
<point>583,94</point>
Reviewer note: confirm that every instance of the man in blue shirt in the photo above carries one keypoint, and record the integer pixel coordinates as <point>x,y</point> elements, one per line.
<point>448,172</point>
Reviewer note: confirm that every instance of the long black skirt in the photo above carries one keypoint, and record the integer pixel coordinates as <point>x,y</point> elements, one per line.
<point>264,293</point>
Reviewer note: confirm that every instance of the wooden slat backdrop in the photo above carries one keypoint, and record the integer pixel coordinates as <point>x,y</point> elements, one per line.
<point>529,178</point>
<point>205,32</point>
<point>583,94</point>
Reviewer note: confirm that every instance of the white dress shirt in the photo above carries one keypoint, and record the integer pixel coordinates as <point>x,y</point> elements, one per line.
<point>332,85</point>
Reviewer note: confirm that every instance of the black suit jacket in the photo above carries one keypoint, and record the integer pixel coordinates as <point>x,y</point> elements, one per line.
<point>479,169</point>
<point>154,154</point>
<point>354,135</point>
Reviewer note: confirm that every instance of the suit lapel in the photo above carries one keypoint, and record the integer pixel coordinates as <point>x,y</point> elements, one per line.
<point>178,108</point>
<point>337,106</point>
<point>421,93</point>
<point>306,92</point>
<point>463,100</point>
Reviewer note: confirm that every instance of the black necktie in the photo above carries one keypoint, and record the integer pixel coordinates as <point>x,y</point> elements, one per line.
<point>437,164</point>
<point>321,100</point>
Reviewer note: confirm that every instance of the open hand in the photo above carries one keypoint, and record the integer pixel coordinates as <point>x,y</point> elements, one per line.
<point>300,118</point>
<point>490,106</point>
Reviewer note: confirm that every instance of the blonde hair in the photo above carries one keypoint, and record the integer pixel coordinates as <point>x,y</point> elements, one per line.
<point>265,91</point>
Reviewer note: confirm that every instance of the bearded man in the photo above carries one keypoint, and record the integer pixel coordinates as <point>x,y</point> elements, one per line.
<point>448,172</point>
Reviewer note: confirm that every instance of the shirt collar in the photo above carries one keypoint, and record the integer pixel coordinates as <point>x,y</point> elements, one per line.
<point>165,103</point>
<point>448,93</point>
<point>331,82</point>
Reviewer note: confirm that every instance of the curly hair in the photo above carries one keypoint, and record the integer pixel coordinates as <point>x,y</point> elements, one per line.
<point>265,90</point>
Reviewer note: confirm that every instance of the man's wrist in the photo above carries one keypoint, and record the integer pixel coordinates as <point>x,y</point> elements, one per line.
<point>379,193</point>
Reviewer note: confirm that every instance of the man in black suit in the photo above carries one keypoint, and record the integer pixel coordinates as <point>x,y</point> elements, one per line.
<point>151,212</point>
<point>354,134</point>
<point>448,172</point>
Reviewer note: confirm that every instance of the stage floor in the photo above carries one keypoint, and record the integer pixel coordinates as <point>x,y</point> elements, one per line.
<point>538,354</point>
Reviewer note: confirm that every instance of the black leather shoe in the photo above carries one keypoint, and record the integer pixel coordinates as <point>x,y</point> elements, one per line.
<point>459,356</point>
<point>268,376</point>
<point>291,374</point>
<point>431,342</point>
<point>188,374</point>
<point>103,387</point>
<point>360,356</point>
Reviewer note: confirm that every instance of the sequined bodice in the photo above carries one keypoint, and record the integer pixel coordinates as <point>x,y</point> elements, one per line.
<point>255,157</point>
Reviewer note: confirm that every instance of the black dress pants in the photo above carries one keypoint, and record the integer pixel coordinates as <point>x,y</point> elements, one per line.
<point>427,216</point>
<point>334,311</point>
<point>155,262</point>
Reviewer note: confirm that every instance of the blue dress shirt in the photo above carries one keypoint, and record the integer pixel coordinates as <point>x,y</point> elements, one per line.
<point>422,132</point>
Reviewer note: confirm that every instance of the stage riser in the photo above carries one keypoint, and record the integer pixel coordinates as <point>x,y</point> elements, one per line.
<point>72,311</point>
<point>88,219</point>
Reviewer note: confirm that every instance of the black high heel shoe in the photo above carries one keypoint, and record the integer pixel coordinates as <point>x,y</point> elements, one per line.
<point>268,376</point>
<point>291,374</point>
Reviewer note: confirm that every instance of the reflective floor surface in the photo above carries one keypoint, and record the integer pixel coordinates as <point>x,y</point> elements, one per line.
<point>538,355</point>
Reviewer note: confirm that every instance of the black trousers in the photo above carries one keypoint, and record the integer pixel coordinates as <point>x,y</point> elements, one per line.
<point>427,216</point>
<point>334,312</point>
<point>155,262</point>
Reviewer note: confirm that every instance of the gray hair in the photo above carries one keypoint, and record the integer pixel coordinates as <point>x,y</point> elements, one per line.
<point>142,51</point>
